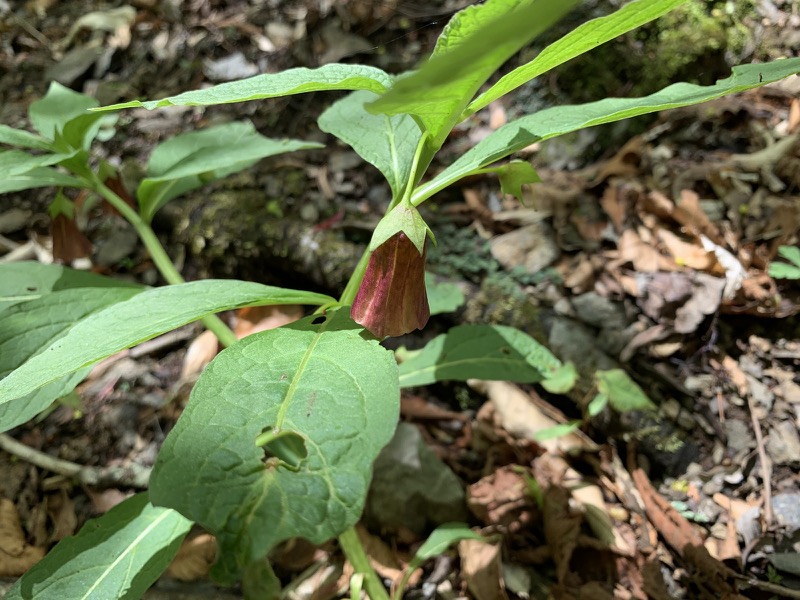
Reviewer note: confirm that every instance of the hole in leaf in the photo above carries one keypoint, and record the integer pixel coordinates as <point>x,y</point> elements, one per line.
<point>31,288</point>
<point>282,447</point>
<point>505,350</point>
<point>318,321</point>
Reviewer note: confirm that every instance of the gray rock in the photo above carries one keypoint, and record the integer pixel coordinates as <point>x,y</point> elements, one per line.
<point>411,488</point>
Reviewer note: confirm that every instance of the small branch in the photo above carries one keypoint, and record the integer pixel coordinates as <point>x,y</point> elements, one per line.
<point>134,476</point>
<point>160,257</point>
<point>766,465</point>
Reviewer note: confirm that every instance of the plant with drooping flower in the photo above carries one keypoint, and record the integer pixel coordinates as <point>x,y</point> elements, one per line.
<point>281,430</point>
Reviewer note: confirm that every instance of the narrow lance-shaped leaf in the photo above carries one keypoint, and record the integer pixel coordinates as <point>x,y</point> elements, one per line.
<point>387,143</point>
<point>118,555</point>
<point>475,43</point>
<point>125,324</point>
<point>38,178</point>
<point>333,390</point>
<point>23,139</point>
<point>18,162</point>
<point>559,120</point>
<point>588,36</point>
<point>271,85</point>
<point>193,159</point>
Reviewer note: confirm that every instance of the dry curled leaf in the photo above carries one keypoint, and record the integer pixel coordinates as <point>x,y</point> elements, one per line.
<point>16,555</point>
<point>194,558</point>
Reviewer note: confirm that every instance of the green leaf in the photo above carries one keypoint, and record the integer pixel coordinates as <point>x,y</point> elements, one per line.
<point>22,410</point>
<point>118,555</point>
<point>271,85</point>
<point>18,162</point>
<point>597,405</point>
<point>191,160</point>
<point>79,132</point>
<point>514,175</point>
<point>587,37</point>
<point>494,352</point>
<point>561,380</point>
<point>29,327</point>
<point>325,383</point>
<point>781,270</point>
<point>23,139</point>
<point>443,297</point>
<point>790,253</point>
<point>150,313</point>
<point>473,45</point>
<point>387,143</point>
<point>37,178</point>
<point>57,108</point>
<point>405,218</point>
<point>28,280</point>
<point>440,540</point>
<point>622,392</point>
<point>559,120</point>
<point>556,431</point>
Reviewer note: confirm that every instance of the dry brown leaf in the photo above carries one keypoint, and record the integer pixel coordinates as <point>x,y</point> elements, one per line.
<point>523,417</point>
<point>383,559</point>
<point>613,204</point>
<point>194,558</point>
<point>61,510</point>
<point>641,255</point>
<point>253,319</point>
<point>686,254</point>
<point>624,163</point>
<point>501,500</point>
<point>200,352</point>
<point>691,215</point>
<point>561,529</point>
<point>482,569</point>
<point>105,500</point>
<point>736,375</point>
<point>794,115</point>
<point>16,555</point>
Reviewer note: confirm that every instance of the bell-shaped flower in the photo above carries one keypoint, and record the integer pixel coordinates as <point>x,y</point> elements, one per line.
<point>392,299</point>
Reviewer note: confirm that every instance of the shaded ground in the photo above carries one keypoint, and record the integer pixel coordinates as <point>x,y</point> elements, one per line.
<point>652,258</point>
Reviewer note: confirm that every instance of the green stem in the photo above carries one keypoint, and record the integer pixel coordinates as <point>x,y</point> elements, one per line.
<point>351,289</point>
<point>354,551</point>
<point>160,257</point>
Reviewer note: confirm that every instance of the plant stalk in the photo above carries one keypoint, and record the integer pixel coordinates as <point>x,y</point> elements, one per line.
<point>354,551</point>
<point>160,257</point>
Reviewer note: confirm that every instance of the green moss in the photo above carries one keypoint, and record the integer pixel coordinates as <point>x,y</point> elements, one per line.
<point>689,43</point>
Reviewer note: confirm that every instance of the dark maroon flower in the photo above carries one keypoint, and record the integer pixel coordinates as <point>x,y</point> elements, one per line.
<point>69,243</point>
<point>392,299</point>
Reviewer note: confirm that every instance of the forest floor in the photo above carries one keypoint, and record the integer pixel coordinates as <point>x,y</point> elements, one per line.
<point>651,254</point>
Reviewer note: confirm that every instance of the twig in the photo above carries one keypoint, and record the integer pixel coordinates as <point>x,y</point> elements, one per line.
<point>134,475</point>
<point>766,465</point>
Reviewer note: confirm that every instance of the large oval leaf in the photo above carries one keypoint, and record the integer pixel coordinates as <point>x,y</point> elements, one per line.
<point>494,352</point>
<point>118,556</point>
<point>387,143</point>
<point>148,314</point>
<point>333,391</point>
<point>190,160</point>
